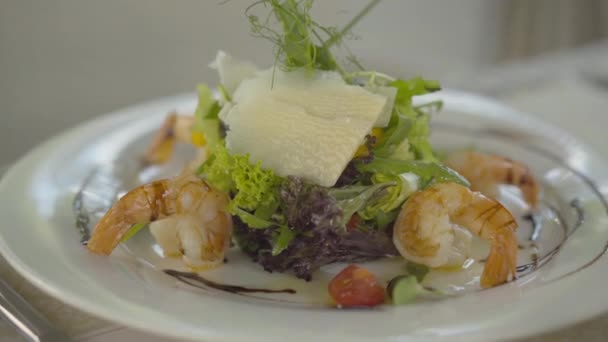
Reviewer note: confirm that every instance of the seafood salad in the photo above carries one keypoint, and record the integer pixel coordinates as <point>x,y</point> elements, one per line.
<point>315,160</point>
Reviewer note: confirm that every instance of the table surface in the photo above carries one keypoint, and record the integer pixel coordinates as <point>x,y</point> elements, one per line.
<point>551,88</point>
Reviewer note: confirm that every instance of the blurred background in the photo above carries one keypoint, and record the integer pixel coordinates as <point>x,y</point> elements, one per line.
<point>65,61</point>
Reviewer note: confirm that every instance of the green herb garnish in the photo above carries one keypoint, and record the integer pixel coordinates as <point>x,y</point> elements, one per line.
<point>301,42</point>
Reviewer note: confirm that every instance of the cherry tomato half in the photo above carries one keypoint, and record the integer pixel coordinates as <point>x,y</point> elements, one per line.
<point>356,286</point>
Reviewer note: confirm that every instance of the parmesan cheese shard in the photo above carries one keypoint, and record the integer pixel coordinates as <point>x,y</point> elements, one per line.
<point>387,111</point>
<point>301,124</point>
<point>232,71</point>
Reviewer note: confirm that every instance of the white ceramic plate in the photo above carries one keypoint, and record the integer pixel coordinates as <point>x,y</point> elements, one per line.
<point>566,283</point>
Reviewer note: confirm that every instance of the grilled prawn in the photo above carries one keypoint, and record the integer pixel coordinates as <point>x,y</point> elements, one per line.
<point>434,228</point>
<point>188,218</point>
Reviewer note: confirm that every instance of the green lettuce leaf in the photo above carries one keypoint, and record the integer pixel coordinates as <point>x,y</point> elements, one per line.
<point>252,220</point>
<point>407,135</point>
<point>133,230</point>
<point>383,219</point>
<point>418,138</point>
<point>207,107</point>
<point>217,170</point>
<point>407,89</point>
<point>352,199</point>
<point>206,120</point>
<point>283,236</point>
<point>429,172</point>
<point>392,198</point>
<point>395,138</point>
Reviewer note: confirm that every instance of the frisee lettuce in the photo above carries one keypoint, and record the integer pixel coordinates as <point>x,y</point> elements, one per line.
<point>251,186</point>
<point>254,194</point>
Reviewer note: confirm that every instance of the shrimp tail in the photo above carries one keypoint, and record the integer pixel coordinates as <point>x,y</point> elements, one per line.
<point>497,270</point>
<point>163,143</point>
<point>175,128</point>
<point>140,205</point>
<point>530,189</point>
<point>487,171</point>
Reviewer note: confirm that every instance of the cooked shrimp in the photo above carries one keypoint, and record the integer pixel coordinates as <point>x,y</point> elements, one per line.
<point>191,220</point>
<point>428,230</point>
<point>175,128</point>
<point>486,172</point>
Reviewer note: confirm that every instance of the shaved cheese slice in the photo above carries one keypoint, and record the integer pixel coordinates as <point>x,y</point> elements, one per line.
<point>303,125</point>
<point>232,71</point>
<point>387,111</point>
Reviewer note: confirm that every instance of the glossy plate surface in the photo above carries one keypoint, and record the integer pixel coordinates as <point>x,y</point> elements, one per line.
<point>562,272</point>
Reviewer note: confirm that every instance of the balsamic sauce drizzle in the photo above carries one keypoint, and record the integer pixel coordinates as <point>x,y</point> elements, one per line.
<point>587,264</point>
<point>580,212</point>
<point>196,280</point>
<point>538,261</point>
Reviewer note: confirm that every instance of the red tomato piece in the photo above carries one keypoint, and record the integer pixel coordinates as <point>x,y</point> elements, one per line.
<point>353,223</point>
<point>356,286</point>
